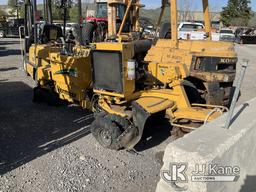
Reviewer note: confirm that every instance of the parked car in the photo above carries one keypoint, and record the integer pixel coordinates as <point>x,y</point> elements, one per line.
<point>71,26</point>
<point>245,35</point>
<point>59,25</point>
<point>10,28</point>
<point>227,35</point>
<point>194,31</point>
<point>74,27</point>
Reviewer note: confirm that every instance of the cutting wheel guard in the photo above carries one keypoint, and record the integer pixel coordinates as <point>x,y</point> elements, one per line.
<point>194,123</point>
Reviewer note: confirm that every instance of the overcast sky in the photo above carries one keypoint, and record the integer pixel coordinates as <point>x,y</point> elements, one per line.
<point>215,4</point>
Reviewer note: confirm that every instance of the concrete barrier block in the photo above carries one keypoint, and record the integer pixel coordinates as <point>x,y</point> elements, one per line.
<point>214,145</point>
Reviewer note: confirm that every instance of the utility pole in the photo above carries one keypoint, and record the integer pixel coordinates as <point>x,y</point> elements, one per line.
<point>17,9</point>
<point>79,18</point>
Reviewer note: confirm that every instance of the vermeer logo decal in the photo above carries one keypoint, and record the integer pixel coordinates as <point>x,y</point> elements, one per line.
<point>70,72</point>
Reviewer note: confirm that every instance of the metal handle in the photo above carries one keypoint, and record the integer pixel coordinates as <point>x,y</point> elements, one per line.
<point>22,43</point>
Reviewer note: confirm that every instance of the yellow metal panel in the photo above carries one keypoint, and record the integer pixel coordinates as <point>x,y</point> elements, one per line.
<point>41,52</point>
<point>196,113</point>
<point>109,46</point>
<point>69,92</point>
<point>102,92</point>
<point>154,105</point>
<point>176,94</point>
<point>164,56</point>
<point>71,70</point>
<point>166,72</point>
<point>43,74</point>
<point>30,70</point>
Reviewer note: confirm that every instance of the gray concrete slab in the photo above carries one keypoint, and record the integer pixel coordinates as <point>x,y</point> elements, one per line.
<point>212,144</point>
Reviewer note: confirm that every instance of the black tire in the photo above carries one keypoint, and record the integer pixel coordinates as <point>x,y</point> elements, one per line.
<point>192,92</point>
<point>88,32</point>
<point>165,31</point>
<point>122,123</point>
<point>106,132</point>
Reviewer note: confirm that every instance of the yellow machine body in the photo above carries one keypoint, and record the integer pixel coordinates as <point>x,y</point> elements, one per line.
<point>72,77</point>
<point>117,81</point>
<point>140,104</point>
<point>211,65</point>
<point>96,72</point>
<point>69,76</point>
<point>37,56</point>
<point>191,53</point>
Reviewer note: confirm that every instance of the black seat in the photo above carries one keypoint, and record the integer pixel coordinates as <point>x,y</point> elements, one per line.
<point>50,33</point>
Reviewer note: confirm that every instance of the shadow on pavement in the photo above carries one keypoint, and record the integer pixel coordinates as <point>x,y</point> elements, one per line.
<point>8,52</point>
<point>249,184</point>
<point>2,49</point>
<point>9,42</point>
<point>29,130</point>
<point>236,115</point>
<point>8,69</point>
<point>157,130</point>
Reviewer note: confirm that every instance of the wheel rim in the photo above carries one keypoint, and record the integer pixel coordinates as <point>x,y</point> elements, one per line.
<point>106,138</point>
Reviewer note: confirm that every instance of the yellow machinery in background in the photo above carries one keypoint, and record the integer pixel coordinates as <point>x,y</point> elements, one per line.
<point>116,82</point>
<point>211,65</point>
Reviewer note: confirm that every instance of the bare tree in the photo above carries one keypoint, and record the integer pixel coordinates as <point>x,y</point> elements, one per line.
<point>214,12</point>
<point>185,9</point>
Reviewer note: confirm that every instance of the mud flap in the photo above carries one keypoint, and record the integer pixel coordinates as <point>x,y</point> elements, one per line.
<point>129,137</point>
<point>140,117</point>
<point>133,134</point>
<point>142,109</point>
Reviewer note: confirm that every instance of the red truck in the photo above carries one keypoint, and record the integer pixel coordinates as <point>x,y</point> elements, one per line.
<point>96,26</point>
